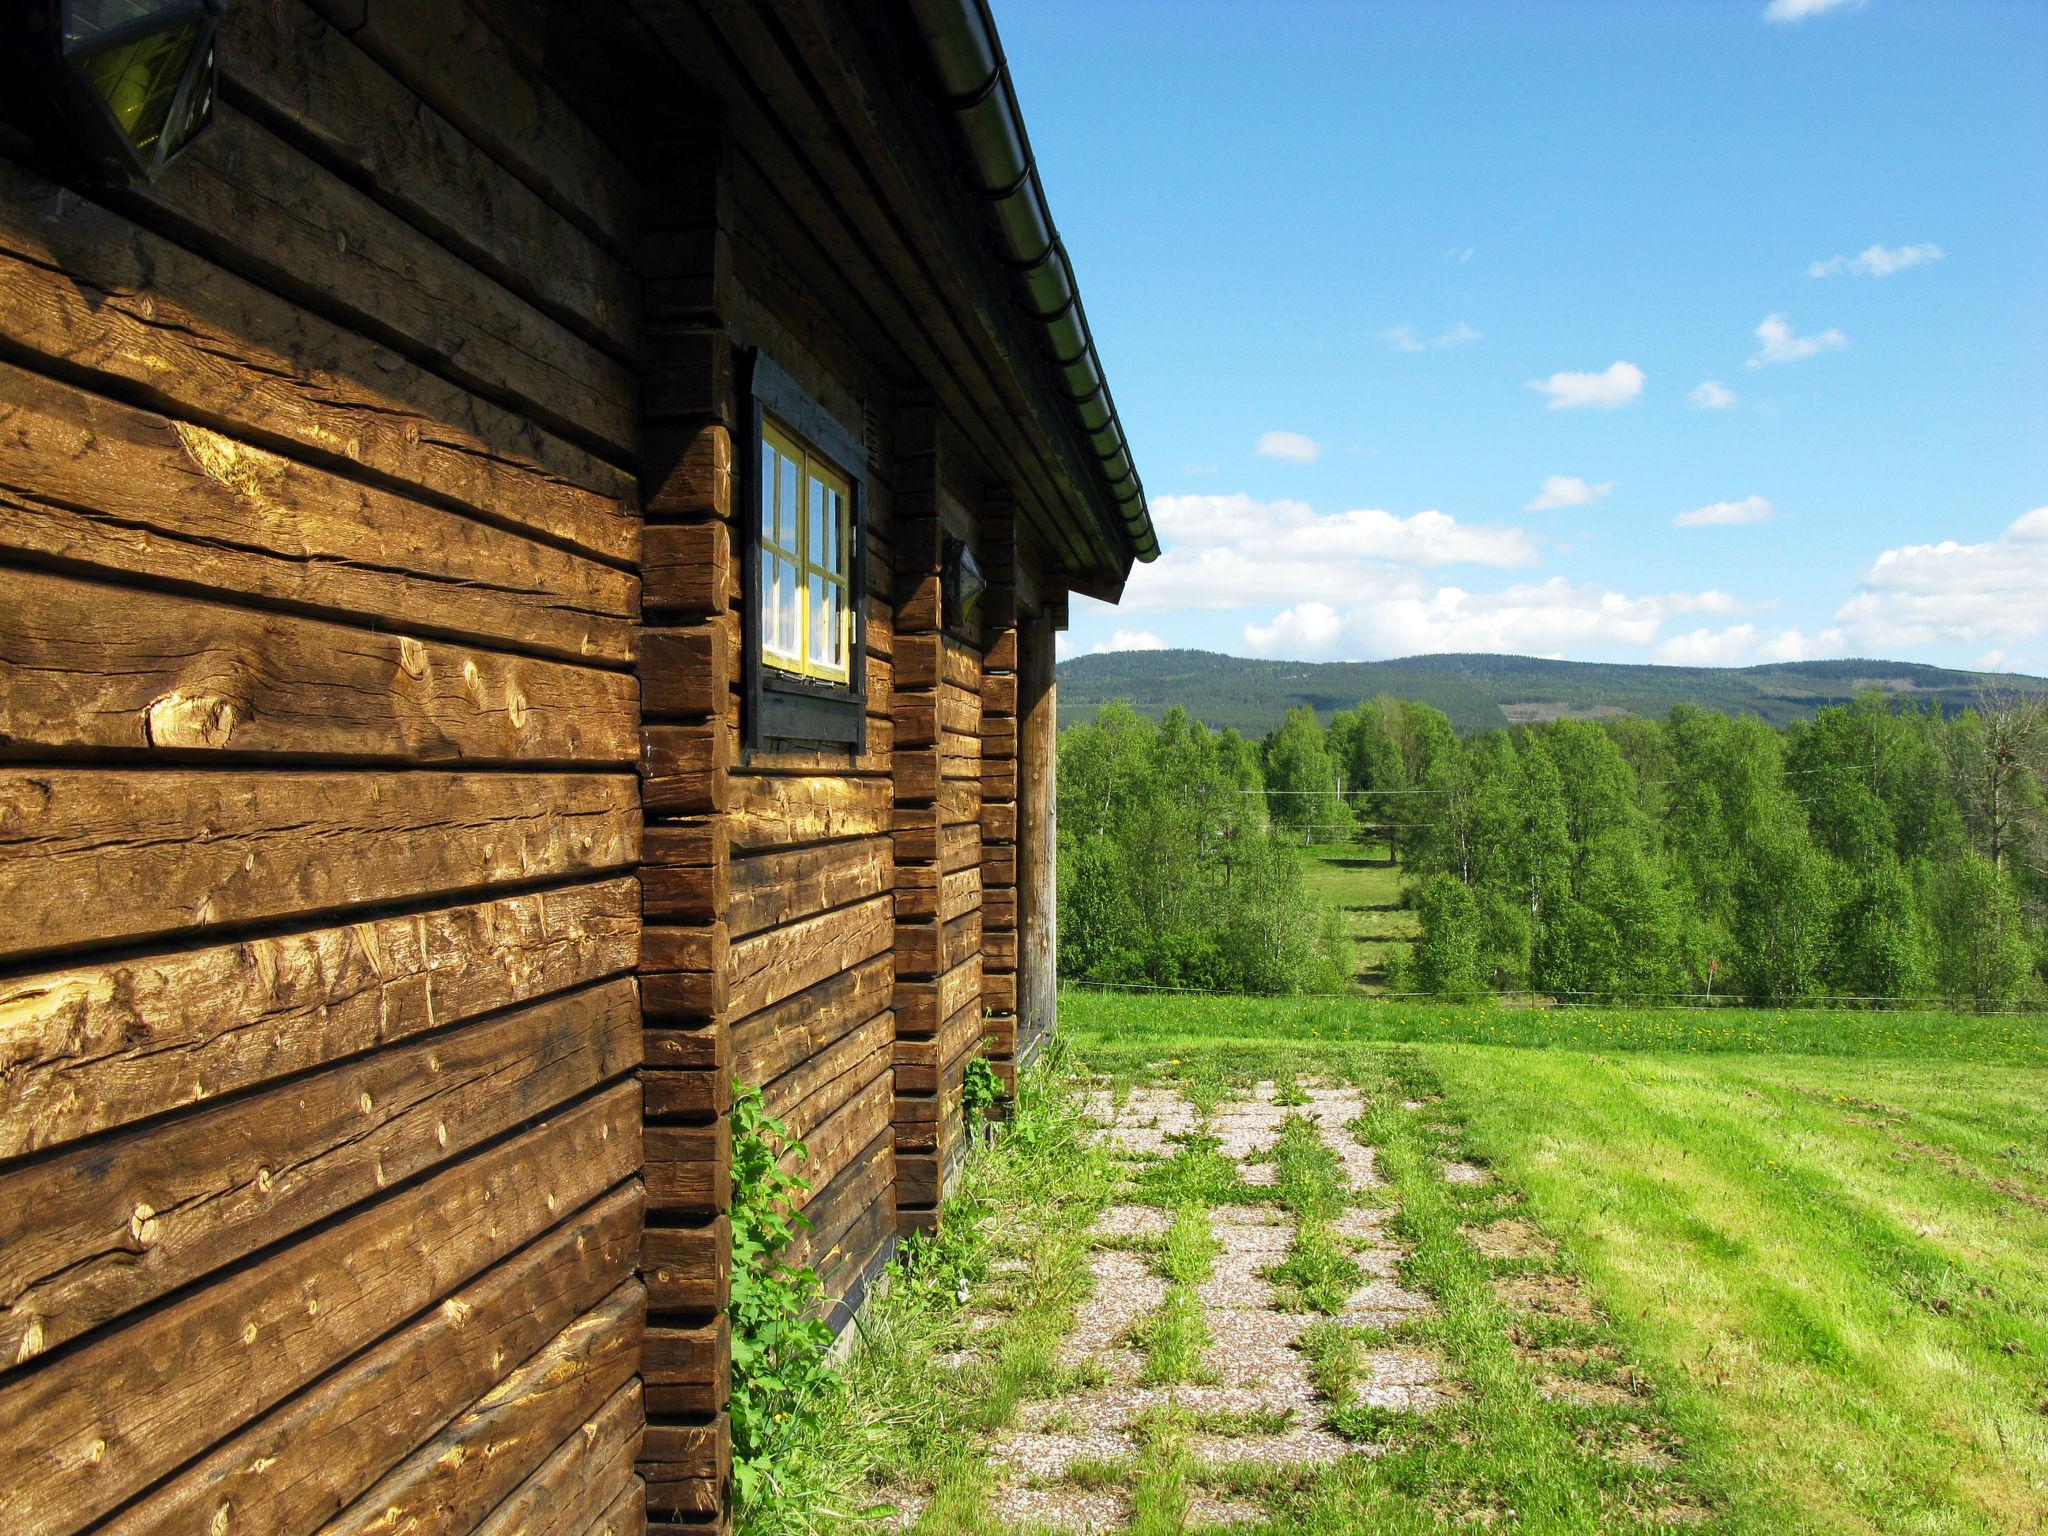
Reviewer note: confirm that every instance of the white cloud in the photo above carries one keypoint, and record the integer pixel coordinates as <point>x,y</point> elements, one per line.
<point>1129,640</point>
<point>1292,447</point>
<point>1461,253</point>
<point>1712,395</point>
<point>1304,627</point>
<point>1408,618</point>
<point>1707,647</point>
<point>1877,260</point>
<point>1799,10</point>
<point>1779,345</point>
<point>1405,338</point>
<point>1751,509</point>
<point>1228,551</point>
<point>1797,645</point>
<point>1567,491</point>
<point>1619,384</point>
<point>1989,594</point>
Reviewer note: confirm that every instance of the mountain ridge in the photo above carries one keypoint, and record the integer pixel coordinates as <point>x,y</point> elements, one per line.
<point>1480,690</point>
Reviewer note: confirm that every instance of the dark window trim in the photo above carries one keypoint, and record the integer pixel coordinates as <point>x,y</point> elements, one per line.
<point>780,710</point>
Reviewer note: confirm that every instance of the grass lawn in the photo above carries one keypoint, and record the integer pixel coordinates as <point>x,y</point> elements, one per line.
<point>1360,881</point>
<point>1736,1272</point>
<point>1824,1238</point>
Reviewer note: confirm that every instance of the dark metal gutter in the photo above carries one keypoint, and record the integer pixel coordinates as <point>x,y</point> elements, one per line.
<point>973,84</point>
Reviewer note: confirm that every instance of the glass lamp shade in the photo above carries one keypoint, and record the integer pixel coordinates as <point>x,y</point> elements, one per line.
<point>123,85</point>
<point>961,584</point>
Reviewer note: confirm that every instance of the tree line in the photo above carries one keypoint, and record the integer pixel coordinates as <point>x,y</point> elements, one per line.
<point>1880,851</point>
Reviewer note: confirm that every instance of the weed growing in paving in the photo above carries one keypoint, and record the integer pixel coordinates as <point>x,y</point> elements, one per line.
<point>1176,1337</point>
<point>1319,1273</point>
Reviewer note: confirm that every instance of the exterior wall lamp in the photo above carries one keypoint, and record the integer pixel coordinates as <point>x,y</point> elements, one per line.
<point>121,87</point>
<point>961,584</point>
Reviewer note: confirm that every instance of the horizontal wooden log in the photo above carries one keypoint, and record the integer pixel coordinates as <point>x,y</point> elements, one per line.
<point>920,1062</point>
<point>686,570</point>
<point>998,697</point>
<point>998,949</point>
<point>774,1041</point>
<point>92,482</point>
<point>689,1169</point>
<point>686,1467</point>
<point>94,1233</point>
<point>688,670</point>
<point>917,659</point>
<point>260,208</point>
<point>589,1470</point>
<point>835,1211</point>
<point>317,1451</point>
<point>689,472</point>
<point>999,991</point>
<point>105,298</point>
<point>960,667</point>
<point>930,949</point>
<point>999,822</point>
<point>768,967</point>
<point>922,1006</point>
<point>466,71</point>
<point>915,774</point>
<point>94,1047</point>
<point>704,947</point>
<point>296,69</point>
<point>999,1032</point>
<point>776,812</point>
<point>998,782</point>
<point>917,1181</point>
<point>685,1095</point>
<point>852,1263</point>
<point>913,1222</point>
<point>685,877</point>
<point>960,805</point>
<point>100,1423</point>
<point>688,1268</point>
<point>999,654</point>
<point>998,865</point>
<point>95,856</point>
<point>684,768</point>
<point>705,1047</point>
<point>687,1366</point>
<point>451,1484</point>
<point>86,667</point>
<point>624,1516</point>
<point>998,739</point>
<point>806,1096</point>
<point>786,885</point>
<point>837,1141</point>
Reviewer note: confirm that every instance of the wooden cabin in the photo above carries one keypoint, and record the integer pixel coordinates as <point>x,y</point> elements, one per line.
<point>529,560</point>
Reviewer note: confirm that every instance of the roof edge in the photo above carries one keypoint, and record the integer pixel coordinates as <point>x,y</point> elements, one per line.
<point>972,85</point>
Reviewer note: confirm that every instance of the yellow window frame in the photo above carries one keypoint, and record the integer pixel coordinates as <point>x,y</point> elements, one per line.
<point>811,469</point>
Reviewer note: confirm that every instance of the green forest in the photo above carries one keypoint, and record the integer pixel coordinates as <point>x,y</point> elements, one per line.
<point>1882,850</point>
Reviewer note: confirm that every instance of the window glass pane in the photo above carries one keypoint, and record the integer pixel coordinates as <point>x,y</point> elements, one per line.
<point>825,608</point>
<point>818,549</point>
<point>786,507</point>
<point>786,599</point>
<point>769,458</point>
<point>778,606</point>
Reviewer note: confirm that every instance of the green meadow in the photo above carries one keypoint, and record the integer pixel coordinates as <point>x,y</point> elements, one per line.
<point>1821,1237</point>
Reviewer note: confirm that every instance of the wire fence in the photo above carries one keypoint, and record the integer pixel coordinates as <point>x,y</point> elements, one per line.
<point>1529,998</point>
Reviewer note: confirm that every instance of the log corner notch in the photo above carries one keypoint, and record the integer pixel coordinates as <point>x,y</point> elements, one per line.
<point>688,670</point>
<point>999,788</point>
<point>925,995</point>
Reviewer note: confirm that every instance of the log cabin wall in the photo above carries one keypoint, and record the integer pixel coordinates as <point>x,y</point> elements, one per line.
<point>319,538</point>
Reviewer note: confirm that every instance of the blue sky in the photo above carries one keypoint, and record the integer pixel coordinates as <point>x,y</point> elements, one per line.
<point>1659,330</point>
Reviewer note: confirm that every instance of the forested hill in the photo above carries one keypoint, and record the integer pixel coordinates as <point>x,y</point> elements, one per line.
<point>1481,691</point>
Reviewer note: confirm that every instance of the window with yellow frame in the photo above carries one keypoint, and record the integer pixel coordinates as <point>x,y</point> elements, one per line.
<point>806,560</point>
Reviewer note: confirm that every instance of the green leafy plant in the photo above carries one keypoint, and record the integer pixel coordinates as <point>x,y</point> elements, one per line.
<point>981,1092</point>
<point>781,1350</point>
